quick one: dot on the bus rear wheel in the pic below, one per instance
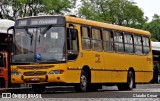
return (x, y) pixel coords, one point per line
(130, 82)
(38, 88)
(84, 83)
(2, 83)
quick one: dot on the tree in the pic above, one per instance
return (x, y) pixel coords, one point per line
(153, 27)
(121, 12)
(5, 9)
(11, 9)
(155, 17)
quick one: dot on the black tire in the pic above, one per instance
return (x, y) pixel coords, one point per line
(38, 88)
(83, 86)
(130, 82)
(2, 83)
(94, 88)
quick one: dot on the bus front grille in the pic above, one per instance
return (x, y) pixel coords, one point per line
(35, 73)
(34, 67)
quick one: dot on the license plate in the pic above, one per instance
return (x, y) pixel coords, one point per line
(34, 79)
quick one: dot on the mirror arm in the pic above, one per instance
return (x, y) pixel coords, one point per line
(12, 27)
(71, 25)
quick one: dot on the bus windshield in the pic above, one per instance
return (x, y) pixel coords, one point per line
(42, 44)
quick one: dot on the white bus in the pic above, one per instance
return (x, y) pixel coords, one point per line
(156, 61)
(5, 24)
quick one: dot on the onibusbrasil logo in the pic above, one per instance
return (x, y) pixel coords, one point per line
(10, 95)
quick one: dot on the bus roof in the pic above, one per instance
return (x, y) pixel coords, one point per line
(106, 25)
(5, 24)
(156, 46)
(99, 24)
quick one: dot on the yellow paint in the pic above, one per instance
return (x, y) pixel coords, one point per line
(109, 68)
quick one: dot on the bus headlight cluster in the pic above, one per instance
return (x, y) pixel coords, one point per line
(56, 72)
(15, 73)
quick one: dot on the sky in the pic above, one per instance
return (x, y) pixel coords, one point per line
(149, 7)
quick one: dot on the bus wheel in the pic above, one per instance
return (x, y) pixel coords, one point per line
(83, 85)
(2, 83)
(94, 88)
(130, 82)
(38, 88)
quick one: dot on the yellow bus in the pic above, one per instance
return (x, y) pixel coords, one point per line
(66, 50)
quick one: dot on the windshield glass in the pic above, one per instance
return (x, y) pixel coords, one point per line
(45, 44)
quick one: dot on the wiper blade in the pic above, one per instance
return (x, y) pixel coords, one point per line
(46, 29)
(39, 39)
(31, 39)
(30, 35)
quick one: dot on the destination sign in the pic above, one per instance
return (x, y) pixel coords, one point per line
(23, 23)
(38, 21)
(43, 21)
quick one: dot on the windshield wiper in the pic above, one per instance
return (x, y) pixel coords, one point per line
(30, 35)
(39, 39)
(31, 39)
(46, 29)
(43, 32)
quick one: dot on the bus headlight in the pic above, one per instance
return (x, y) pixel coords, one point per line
(15, 73)
(56, 72)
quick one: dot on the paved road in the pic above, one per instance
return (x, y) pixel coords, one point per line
(142, 91)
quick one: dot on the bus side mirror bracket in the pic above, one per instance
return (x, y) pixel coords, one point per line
(9, 39)
(12, 27)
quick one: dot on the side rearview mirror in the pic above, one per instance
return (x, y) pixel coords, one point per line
(10, 28)
(74, 33)
(10, 32)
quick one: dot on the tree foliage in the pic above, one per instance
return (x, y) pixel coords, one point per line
(121, 12)
(11, 9)
(5, 9)
(154, 27)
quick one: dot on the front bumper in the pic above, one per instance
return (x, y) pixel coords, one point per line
(49, 78)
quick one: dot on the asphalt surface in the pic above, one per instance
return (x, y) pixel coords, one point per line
(141, 91)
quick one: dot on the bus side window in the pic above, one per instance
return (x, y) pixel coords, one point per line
(146, 47)
(2, 60)
(86, 42)
(96, 39)
(72, 43)
(118, 41)
(108, 40)
(128, 40)
(138, 44)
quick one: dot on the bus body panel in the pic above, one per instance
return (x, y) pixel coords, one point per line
(105, 67)
(4, 70)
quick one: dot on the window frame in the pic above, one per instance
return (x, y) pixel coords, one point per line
(135, 45)
(111, 42)
(70, 40)
(132, 36)
(114, 35)
(146, 45)
(97, 40)
(89, 34)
